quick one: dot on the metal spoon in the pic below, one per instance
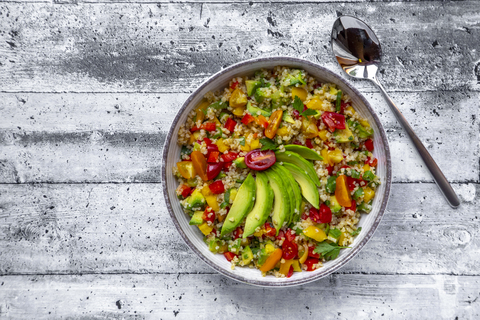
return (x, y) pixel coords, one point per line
(358, 52)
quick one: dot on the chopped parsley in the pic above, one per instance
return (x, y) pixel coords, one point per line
(268, 144)
(328, 250)
(298, 105)
(356, 232)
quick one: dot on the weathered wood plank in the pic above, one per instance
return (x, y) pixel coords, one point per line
(125, 228)
(174, 47)
(119, 137)
(185, 297)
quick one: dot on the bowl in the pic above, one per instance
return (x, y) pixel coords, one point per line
(191, 234)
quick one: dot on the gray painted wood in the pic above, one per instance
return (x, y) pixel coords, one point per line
(137, 47)
(87, 93)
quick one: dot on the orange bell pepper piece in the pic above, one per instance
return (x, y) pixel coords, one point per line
(274, 123)
(200, 164)
(342, 192)
(272, 260)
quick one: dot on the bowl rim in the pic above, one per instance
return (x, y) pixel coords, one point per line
(352, 253)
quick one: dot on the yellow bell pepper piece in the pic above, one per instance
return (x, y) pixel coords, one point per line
(323, 134)
(199, 110)
(304, 256)
(258, 233)
(217, 122)
(238, 98)
(364, 123)
(315, 103)
(326, 159)
(222, 147)
(238, 111)
(366, 168)
(335, 156)
(342, 193)
(269, 248)
(255, 144)
(272, 260)
(315, 233)
(194, 137)
(205, 228)
(333, 91)
(349, 108)
(206, 191)
(300, 93)
(283, 131)
(309, 128)
(341, 240)
(368, 194)
(285, 267)
(296, 266)
(212, 202)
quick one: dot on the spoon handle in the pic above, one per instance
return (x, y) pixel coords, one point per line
(437, 174)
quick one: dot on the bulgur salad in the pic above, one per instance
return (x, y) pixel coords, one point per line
(275, 171)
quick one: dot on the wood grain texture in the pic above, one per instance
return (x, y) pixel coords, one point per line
(125, 228)
(138, 47)
(61, 138)
(185, 297)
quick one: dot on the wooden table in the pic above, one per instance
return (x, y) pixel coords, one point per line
(88, 90)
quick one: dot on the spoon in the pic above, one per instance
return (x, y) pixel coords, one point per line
(359, 53)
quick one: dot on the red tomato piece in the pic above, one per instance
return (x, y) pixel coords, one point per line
(260, 160)
(208, 126)
(310, 262)
(213, 157)
(247, 118)
(209, 215)
(213, 169)
(281, 235)
(207, 141)
(229, 156)
(290, 235)
(230, 124)
(351, 183)
(270, 230)
(184, 190)
(298, 143)
(353, 207)
(296, 114)
(333, 120)
(289, 250)
(313, 254)
(234, 85)
(304, 216)
(330, 170)
(227, 165)
(343, 106)
(325, 214)
(237, 233)
(369, 145)
(194, 128)
(309, 144)
(370, 162)
(217, 187)
(229, 255)
(314, 215)
(290, 272)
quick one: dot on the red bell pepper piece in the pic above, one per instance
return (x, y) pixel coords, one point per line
(209, 215)
(309, 144)
(369, 145)
(209, 126)
(247, 118)
(217, 187)
(230, 124)
(229, 255)
(213, 157)
(229, 156)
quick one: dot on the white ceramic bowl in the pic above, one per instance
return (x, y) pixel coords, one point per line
(194, 238)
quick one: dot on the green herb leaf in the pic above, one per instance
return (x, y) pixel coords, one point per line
(242, 141)
(298, 104)
(268, 144)
(356, 232)
(308, 112)
(328, 250)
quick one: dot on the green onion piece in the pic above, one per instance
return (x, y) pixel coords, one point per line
(368, 176)
(358, 193)
(339, 100)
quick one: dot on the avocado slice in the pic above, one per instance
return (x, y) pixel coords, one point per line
(308, 187)
(288, 118)
(240, 162)
(294, 191)
(261, 94)
(242, 204)
(289, 189)
(277, 99)
(197, 218)
(247, 256)
(254, 111)
(263, 205)
(296, 159)
(252, 85)
(334, 205)
(281, 204)
(305, 152)
(343, 135)
(195, 200)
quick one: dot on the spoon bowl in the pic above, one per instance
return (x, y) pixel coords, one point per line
(358, 52)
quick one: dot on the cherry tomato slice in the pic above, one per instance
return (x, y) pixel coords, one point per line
(309, 144)
(353, 207)
(229, 156)
(325, 214)
(270, 229)
(310, 262)
(289, 235)
(274, 123)
(213, 158)
(314, 215)
(290, 272)
(200, 164)
(351, 183)
(290, 250)
(260, 160)
(313, 254)
(213, 169)
(333, 120)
